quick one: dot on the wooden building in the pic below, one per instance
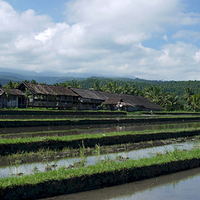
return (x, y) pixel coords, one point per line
(49, 96)
(12, 98)
(88, 99)
(91, 99)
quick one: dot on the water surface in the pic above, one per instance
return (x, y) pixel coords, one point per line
(22, 169)
(179, 186)
(91, 129)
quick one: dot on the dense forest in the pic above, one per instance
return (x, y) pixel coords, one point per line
(177, 87)
(171, 95)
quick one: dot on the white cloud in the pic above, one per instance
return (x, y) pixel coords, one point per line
(187, 34)
(165, 37)
(189, 18)
(103, 37)
(197, 57)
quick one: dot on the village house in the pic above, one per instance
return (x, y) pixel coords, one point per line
(88, 99)
(130, 103)
(49, 96)
(91, 99)
(12, 98)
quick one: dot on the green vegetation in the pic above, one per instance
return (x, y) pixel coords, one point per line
(101, 167)
(97, 150)
(95, 136)
(171, 95)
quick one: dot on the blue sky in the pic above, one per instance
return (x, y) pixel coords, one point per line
(156, 40)
(54, 9)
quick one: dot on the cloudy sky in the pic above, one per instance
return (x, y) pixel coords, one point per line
(149, 39)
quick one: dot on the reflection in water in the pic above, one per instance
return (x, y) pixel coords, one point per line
(91, 160)
(91, 129)
(182, 185)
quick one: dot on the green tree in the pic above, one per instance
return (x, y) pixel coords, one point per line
(34, 81)
(96, 85)
(195, 102)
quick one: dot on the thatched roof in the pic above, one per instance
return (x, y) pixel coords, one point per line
(114, 98)
(112, 101)
(42, 89)
(140, 101)
(14, 92)
(93, 94)
(1, 91)
(87, 94)
(109, 98)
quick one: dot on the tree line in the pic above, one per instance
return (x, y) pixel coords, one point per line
(186, 100)
(172, 96)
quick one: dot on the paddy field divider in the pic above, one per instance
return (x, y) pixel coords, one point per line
(12, 146)
(6, 123)
(102, 174)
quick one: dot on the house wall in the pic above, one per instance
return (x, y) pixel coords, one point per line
(50, 103)
(131, 108)
(88, 106)
(2, 102)
(12, 102)
(111, 107)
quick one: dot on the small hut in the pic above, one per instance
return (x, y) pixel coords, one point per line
(12, 98)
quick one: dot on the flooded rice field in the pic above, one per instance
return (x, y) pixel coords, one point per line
(82, 129)
(182, 185)
(16, 168)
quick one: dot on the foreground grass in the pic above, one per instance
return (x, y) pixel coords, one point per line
(93, 136)
(103, 167)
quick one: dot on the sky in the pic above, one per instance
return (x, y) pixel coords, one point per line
(148, 39)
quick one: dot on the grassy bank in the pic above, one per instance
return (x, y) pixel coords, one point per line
(88, 121)
(102, 174)
(43, 111)
(9, 146)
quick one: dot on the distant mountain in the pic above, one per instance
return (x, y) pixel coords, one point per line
(5, 78)
(87, 81)
(45, 77)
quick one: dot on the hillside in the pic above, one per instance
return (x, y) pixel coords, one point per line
(177, 87)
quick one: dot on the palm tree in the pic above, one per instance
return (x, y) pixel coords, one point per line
(195, 101)
(171, 102)
(96, 85)
(154, 94)
(187, 96)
